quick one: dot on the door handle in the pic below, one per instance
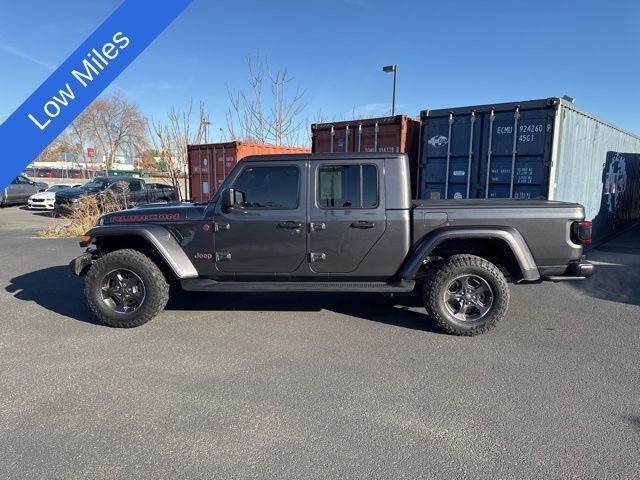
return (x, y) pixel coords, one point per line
(362, 225)
(291, 225)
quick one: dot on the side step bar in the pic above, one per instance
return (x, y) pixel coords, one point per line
(207, 285)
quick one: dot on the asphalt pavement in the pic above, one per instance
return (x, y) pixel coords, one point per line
(315, 386)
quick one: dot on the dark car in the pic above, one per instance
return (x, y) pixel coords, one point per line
(332, 223)
(130, 190)
(19, 191)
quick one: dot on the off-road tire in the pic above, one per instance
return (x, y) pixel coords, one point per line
(441, 276)
(155, 285)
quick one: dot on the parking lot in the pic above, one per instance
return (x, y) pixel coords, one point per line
(315, 386)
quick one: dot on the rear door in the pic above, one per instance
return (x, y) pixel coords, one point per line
(266, 231)
(138, 192)
(346, 213)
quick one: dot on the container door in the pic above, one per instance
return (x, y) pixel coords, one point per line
(266, 231)
(338, 139)
(449, 157)
(204, 177)
(378, 137)
(347, 215)
(199, 175)
(516, 157)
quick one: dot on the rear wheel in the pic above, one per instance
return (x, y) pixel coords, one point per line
(466, 295)
(125, 289)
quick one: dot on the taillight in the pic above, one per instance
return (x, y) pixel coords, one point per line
(581, 232)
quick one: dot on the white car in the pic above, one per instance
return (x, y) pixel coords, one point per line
(45, 200)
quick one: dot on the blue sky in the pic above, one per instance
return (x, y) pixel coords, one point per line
(448, 53)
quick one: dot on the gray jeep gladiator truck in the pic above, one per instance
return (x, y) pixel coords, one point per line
(332, 223)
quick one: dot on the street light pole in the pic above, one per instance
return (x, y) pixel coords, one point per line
(394, 69)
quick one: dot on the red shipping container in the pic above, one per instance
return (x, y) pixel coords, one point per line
(385, 134)
(210, 163)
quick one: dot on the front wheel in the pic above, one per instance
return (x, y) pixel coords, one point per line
(466, 295)
(125, 289)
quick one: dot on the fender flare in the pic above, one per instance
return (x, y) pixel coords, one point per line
(509, 235)
(160, 239)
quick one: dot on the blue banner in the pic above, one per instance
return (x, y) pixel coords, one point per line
(80, 79)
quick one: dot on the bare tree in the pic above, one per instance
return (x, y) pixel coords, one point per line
(274, 118)
(116, 126)
(78, 137)
(172, 138)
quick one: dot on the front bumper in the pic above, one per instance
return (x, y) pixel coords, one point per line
(80, 265)
(576, 270)
(46, 205)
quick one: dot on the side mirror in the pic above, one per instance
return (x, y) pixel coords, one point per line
(31, 182)
(227, 198)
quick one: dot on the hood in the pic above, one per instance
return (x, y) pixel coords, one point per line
(157, 213)
(72, 192)
(44, 195)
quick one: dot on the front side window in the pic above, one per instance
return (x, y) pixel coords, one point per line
(135, 186)
(268, 187)
(348, 186)
(22, 180)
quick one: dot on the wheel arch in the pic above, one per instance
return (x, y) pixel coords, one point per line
(509, 241)
(153, 240)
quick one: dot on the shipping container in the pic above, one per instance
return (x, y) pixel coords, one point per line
(386, 134)
(210, 163)
(546, 149)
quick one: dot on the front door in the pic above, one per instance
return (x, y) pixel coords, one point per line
(265, 232)
(20, 191)
(347, 215)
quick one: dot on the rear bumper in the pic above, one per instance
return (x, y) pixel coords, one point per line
(576, 270)
(81, 264)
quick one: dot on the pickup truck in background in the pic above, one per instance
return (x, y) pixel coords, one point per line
(19, 191)
(132, 189)
(332, 223)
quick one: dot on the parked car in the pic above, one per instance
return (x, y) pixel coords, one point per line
(19, 191)
(332, 223)
(45, 200)
(133, 189)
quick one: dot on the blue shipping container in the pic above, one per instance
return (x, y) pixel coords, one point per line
(544, 149)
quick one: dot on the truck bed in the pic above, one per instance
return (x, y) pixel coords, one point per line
(544, 224)
(489, 203)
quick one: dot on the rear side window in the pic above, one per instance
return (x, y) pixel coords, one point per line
(268, 187)
(348, 186)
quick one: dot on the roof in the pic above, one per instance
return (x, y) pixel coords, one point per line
(323, 156)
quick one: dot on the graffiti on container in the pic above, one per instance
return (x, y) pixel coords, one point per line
(438, 141)
(615, 182)
(620, 201)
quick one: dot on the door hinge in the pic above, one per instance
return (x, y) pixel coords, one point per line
(317, 257)
(221, 226)
(223, 256)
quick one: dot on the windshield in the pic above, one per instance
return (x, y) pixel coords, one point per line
(97, 185)
(55, 188)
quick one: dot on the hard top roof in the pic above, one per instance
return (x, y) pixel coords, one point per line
(323, 156)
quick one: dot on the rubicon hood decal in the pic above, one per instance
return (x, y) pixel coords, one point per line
(145, 217)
